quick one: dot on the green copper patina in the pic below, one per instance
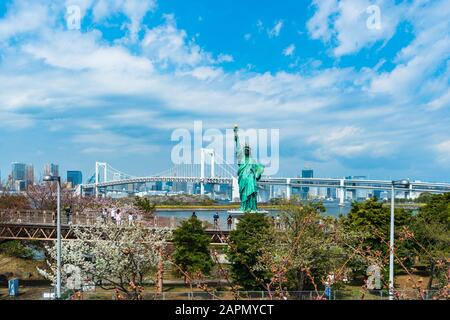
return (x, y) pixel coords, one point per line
(249, 173)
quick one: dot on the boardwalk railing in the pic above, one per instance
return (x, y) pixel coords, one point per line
(87, 217)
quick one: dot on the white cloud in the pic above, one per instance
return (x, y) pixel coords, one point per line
(77, 51)
(224, 58)
(102, 142)
(166, 44)
(443, 151)
(344, 23)
(347, 142)
(275, 31)
(24, 17)
(289, 51)
(320, 24)
(418, 62)
(135, 10)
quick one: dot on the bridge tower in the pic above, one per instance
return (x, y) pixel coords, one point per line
(205, 152)
(288, 189)
(341, 192)
(98, 167)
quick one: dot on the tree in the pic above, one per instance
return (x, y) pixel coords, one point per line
(191, 248)
(431, 230)
(14, 202)
(372, 219)
(115, 258)
(306, 250)
(16, 248)
(246, 246)
(145, 205)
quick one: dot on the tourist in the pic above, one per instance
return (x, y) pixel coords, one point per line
(278, 222)
(118, 217)
(194, 215)
(216, 220)
(113, 215)
(130, 218)
(104, 214)
(68, 213)
(229, 221)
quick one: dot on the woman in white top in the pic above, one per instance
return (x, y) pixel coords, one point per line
(130, 218)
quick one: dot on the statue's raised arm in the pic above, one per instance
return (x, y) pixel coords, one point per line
(239, 152)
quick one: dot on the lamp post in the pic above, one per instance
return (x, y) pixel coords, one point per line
(402, 183)
(58, 232)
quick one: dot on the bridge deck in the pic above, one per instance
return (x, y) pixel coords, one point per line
(41, 225)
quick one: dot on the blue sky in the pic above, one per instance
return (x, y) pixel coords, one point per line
(348, 99)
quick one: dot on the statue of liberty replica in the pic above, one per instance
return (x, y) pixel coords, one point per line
(249, 173)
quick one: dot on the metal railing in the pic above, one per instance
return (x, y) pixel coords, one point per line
(264, 295)
(87, 217)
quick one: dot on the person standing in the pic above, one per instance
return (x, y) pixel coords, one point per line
(113, 215)
(216, 220)
(119, 217)
(68, 210)
(104, 214)
(130, 218)
(278, 222)
(194, 215)
(229, 222)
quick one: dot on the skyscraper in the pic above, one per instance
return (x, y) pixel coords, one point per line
(29, 175)
(18, 171)
(74, 177)
(51, 170)
(19, 174)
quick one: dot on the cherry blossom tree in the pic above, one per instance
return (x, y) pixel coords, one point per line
(113, 257)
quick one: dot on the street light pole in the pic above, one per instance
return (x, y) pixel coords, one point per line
(405, 184)
(50, 178)
(58, 240)
(391, 246)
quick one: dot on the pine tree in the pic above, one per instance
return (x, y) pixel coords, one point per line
(191, 248)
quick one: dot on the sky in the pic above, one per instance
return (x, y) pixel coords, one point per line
(356, 87)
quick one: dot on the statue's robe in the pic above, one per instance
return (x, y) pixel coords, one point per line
(249, 173)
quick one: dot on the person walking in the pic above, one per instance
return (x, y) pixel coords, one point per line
(229, 222)
(216, 220)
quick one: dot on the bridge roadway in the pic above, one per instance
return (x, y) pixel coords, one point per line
(40, 225)
(288, 182)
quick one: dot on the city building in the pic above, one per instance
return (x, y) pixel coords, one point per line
(29, 174)
(18, 171)
(306, 173)
(75, 178)
(51, 170)
(19, 176)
